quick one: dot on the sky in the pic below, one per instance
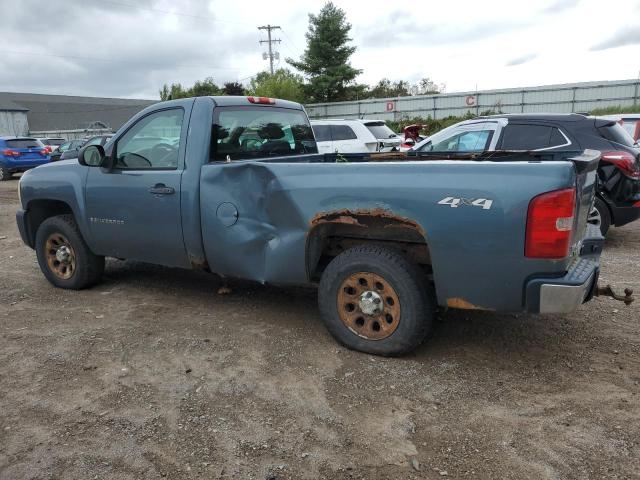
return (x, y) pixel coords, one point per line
(130, 48)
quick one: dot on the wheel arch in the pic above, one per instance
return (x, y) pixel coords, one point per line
(41, 209)
(331, 233)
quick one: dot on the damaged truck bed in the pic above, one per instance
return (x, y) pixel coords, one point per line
(239, 189)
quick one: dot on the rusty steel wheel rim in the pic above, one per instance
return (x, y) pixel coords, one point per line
(61, 257)
(369, 306)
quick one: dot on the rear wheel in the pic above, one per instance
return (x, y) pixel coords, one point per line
(372, 299)
(64, 257)
(600, 216)
(4, 173)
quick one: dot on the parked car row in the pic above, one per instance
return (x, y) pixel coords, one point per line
(18, 154)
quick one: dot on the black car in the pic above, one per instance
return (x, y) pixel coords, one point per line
(73, 145)
(618, 198)
(97, 140)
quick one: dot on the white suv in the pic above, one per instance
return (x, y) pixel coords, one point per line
(354, 136)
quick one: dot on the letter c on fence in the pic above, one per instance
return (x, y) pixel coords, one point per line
(471, 100)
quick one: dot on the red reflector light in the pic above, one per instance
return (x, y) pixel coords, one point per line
(550, 224)
(637, 204)
(263, 100)
(625, 162)
(10, 153)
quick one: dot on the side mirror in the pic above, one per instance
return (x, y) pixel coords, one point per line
(91, 156)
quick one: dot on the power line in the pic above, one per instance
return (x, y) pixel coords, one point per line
(271, 55)
(291, 41)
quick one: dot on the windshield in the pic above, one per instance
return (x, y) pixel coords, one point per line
(380, 130)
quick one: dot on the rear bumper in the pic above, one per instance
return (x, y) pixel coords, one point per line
(22, 165)
(565, 294)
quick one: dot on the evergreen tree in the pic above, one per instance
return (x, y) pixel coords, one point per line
(326, 59)
(233, 88)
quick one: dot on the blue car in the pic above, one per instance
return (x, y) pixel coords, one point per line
(18, 154)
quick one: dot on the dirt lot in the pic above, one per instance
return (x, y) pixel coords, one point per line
(153, 374)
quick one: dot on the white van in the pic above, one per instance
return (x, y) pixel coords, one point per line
(354, 136)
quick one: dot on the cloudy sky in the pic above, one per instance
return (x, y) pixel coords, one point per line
(129, 48)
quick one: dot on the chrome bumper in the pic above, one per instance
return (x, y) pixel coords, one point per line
(556, 298)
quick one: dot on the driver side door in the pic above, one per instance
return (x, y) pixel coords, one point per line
(133, 209)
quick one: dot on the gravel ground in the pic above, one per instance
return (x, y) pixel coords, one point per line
(153, 374)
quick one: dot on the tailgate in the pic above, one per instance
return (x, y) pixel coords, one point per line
(586, 165)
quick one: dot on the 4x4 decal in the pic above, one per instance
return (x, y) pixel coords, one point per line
(455, 202)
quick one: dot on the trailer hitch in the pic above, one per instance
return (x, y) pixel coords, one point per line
(607, 291)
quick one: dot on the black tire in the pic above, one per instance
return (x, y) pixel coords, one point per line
(88, 267)
(4, 173)
(416, 299)
(600, 215)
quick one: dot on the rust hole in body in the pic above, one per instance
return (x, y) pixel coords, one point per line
(366, 219)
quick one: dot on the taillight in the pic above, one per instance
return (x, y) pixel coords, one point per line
(263, 100)
(549, 224)
(625, 162)
(46, 150)
(10, 153)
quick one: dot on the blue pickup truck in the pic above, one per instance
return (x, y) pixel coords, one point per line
(235, 186)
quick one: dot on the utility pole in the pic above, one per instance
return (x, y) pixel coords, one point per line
(271, 55)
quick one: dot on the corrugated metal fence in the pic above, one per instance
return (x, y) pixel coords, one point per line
(566, 98)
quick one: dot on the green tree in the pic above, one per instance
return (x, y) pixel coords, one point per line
(204, 88)
(233, 88)
(172, 92)
(200, 89)
(282, 84)
(326, 59)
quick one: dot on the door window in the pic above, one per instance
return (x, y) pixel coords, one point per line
(472, 141)
(322, 133)
(342, 132)
(532, 137)
(152, 143)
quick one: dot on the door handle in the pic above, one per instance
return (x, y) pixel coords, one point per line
(161, 189)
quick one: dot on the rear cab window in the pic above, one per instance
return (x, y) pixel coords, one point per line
(249, 132)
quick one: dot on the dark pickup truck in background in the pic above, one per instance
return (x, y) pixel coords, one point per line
(235, 186)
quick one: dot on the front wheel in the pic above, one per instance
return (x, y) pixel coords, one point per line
(374, 300)
(63, 255)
